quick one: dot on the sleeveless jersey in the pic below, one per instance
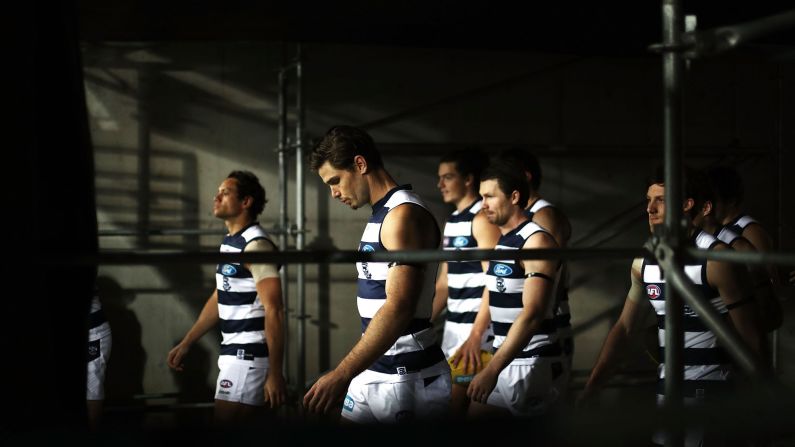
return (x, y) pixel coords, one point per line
(98, 326)
(739, 223)
(727, 236)
(416, 353)
(562, 312)
(505, 280)
(464, 278)
(239, 308)
(703, 359)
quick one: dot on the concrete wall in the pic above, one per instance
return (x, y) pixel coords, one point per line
(170, 120)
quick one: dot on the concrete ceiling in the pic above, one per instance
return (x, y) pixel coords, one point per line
(569, 27)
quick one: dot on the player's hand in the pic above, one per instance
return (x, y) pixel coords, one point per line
(275, 389)
(469, 353)
(482, 385)
(326, 393)
(175, 356)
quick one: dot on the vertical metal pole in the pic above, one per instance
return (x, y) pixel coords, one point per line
(283, 209)
(780, 154)
(299, 217)
(144, 158)
(673, 65)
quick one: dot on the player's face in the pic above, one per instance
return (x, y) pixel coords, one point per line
(347, 185)
(496, 205)
(227, 204)
(655, 205)
(452, 185)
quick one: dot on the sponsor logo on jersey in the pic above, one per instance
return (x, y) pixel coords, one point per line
(367, 248)
(460, 241)
(226, 383)
(502, 270)
(228, 270)
(501, 285)
(348, 404)
(653, 291)
(402, 371)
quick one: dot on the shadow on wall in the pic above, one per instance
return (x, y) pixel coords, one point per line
(125, 373)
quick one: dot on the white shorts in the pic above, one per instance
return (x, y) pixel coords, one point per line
(98, 355)
(239, 381)
(409, 401)
(455, 334)
(528, 389)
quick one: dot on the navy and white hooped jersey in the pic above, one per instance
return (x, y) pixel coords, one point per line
(416, 353)
(98, 326)
(537, 206)
(563, 311)
(464, 278)
(239, 308)
(735, 228)
(703, 359)
(727, 236)
(505, 281)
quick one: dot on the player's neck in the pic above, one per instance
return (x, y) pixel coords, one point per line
(235, 224)
(534, 197)
(466, 201)
(380, 183)
(517, 218)
(732, 213)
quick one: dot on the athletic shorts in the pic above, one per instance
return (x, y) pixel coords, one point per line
(98, 355)
(399, 402)
(528, 389)
(239, 381)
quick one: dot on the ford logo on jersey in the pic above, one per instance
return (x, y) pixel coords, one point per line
(460, 241)
(368, 248)
(502, 270)
(228, 270)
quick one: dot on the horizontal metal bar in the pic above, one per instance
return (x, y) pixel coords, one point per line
(717, 40)
(331, 257)
(744, 257)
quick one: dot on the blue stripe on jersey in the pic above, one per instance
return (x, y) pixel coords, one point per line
(254, 350)
(702, 356)
(233, 270)
(414, 326)
(236, 298)
(371, 289)
(550, 350)
(95, 319)
(461, 317)
(465, 293)
(409, 362)
(247, 325)
(547, 327)
(505, 300)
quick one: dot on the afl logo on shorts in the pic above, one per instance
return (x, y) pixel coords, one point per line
(653, 291)
(226, 383)
(228, 270)
(368, 248)
(502, 270)
(460, 241)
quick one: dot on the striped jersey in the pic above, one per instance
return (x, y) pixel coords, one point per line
(505, 280)
(416, 353)
(239, 308)
(98, 326)
(703, 359)
(464, 279)
(563, 311)
(735, 228)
